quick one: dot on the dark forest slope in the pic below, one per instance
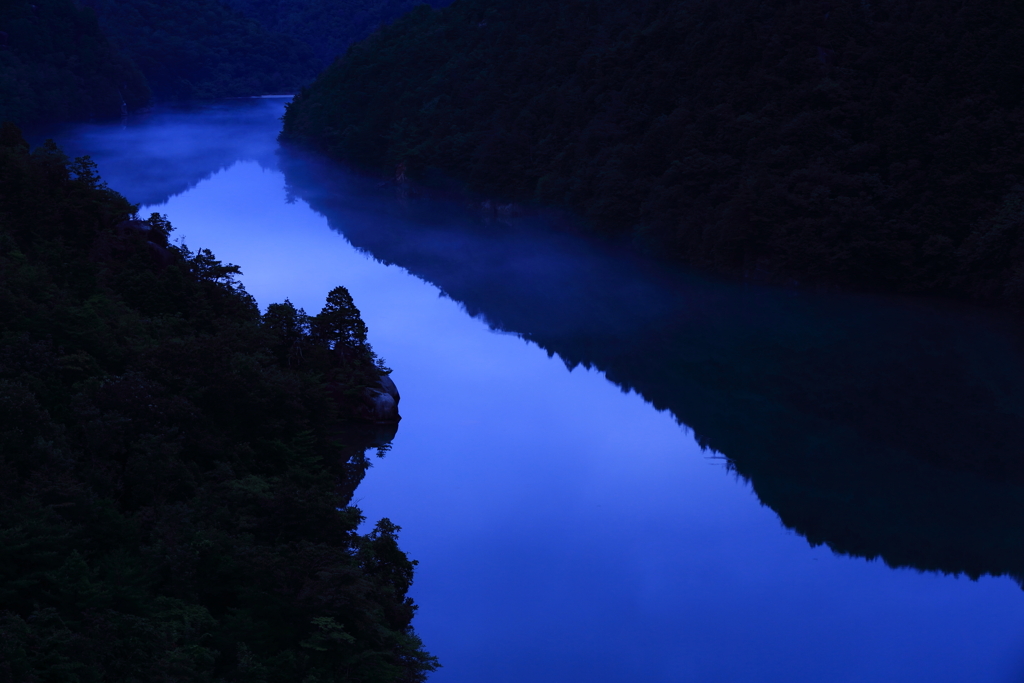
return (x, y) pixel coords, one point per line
(203, 49)
(876, 144)
(327, 27)
(56, 64)
(176, 468)
(62, 61)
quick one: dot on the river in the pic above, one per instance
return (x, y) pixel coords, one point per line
(613, 471)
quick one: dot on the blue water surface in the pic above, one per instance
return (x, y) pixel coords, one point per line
(605, 523)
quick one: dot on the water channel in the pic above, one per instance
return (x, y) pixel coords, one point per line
(613, 471)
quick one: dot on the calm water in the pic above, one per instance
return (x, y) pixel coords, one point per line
(610, 471)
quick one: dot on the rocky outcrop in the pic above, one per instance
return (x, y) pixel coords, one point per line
(381, 401)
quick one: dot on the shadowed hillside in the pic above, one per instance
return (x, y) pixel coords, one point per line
(176, 467)
(327, 27)
(871, 144)
(56, 64)
(202, 49)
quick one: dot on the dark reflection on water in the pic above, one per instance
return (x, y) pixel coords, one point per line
(878, 426)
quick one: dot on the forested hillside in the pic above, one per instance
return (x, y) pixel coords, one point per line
(55, 64)
(870, 144)
(62, 60)
(327, 27)
(202, 49)
(176, 469)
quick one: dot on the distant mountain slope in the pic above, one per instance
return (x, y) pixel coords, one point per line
(55, 64)
(327, 27)
(61, 60)
(202, 49)
(868, 143)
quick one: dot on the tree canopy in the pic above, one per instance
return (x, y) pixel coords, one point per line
(870, 144)
(62, 60)
(203, 49)
(56, 63)
(176, 468)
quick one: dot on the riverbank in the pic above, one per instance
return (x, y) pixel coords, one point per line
(178, 467)
(861, 146)
(880, 426)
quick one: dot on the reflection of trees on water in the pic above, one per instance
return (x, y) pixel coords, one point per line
(879, 427)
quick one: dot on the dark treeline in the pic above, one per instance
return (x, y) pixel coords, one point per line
(62, 60)
(176, 468)
(869, 144)
(55, 63)
(327, 27)
(882, 428)
(202, 49)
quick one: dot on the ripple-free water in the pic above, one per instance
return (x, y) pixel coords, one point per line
(566, 529)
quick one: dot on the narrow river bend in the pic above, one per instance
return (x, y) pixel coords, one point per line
(612, 472)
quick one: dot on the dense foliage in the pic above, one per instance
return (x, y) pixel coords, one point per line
(55, 63)
(328, 27)
(61, 60)
(176, 468)
(872, 143)
(203, 49)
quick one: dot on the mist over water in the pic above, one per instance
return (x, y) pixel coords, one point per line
(154, 156)
(627, 519)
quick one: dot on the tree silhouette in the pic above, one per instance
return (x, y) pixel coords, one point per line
(339, 323)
